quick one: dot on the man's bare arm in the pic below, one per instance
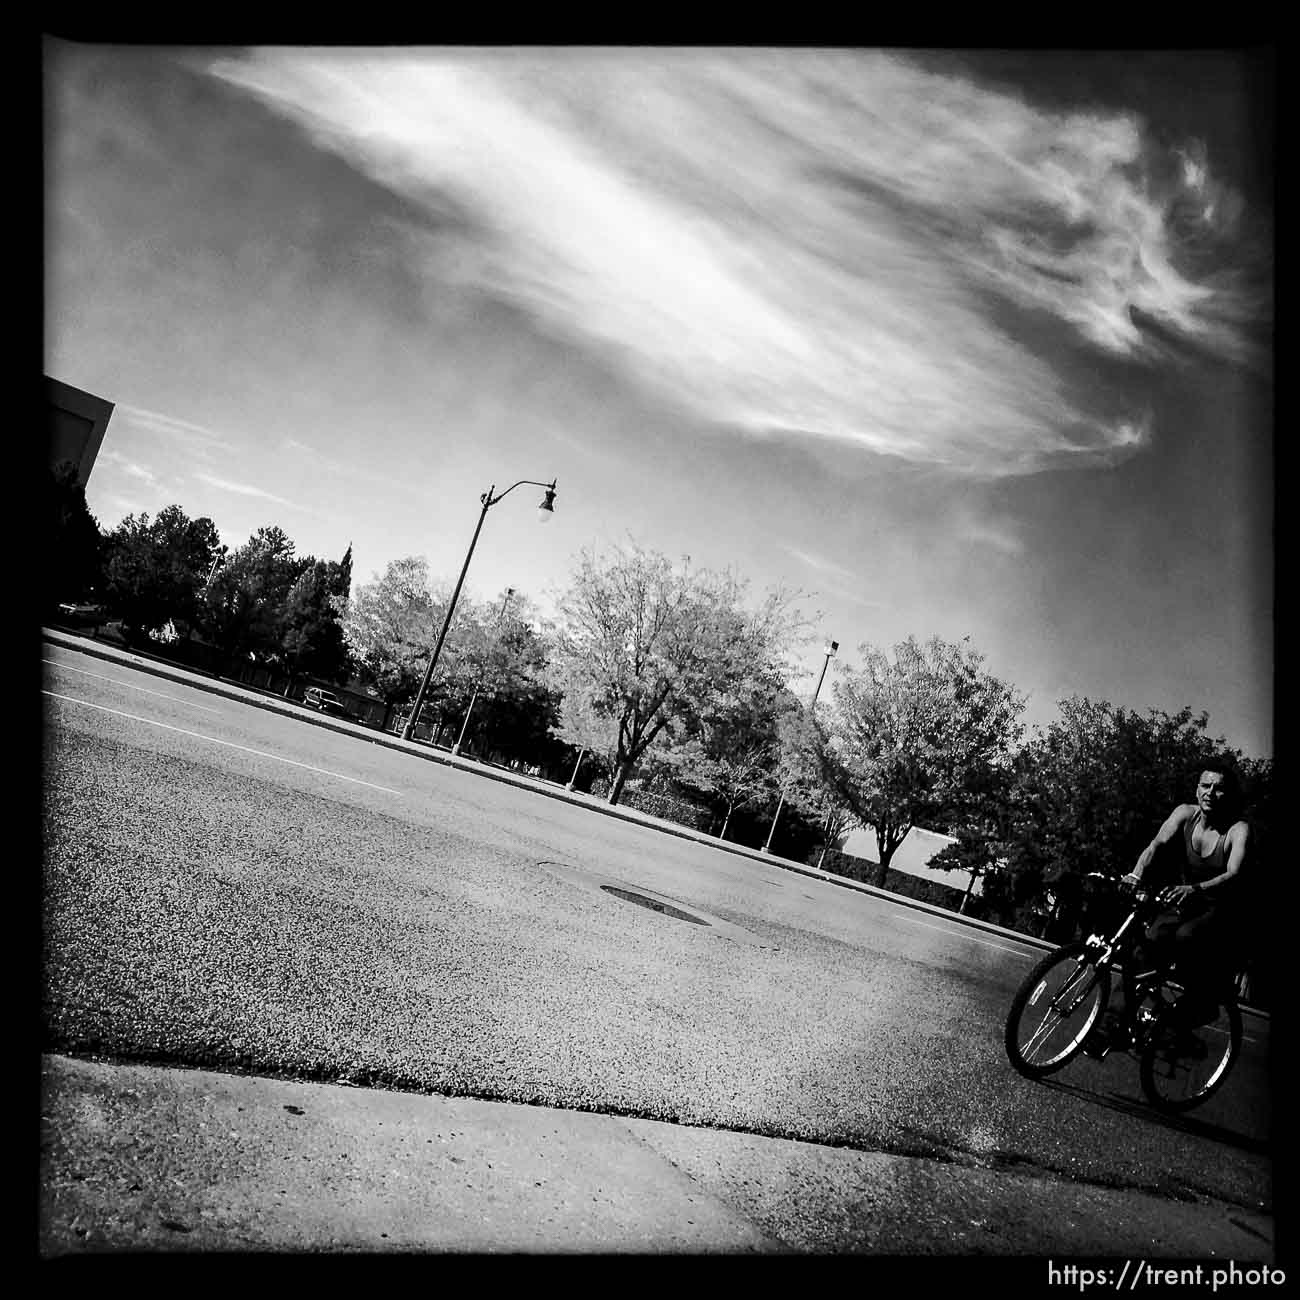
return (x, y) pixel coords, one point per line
(1170, 831)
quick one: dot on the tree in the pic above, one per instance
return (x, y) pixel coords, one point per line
(389, 625)
(654, 644)
(736, 777)
(729, 749)
(1095, 786)
(246, 603)
(917, 739)
(836, 820)
(806, 795)
(1087, 793)
(155, 570)
(312, 638)
(73, 542)
(579, 720)
(496, 679)
(980, 835)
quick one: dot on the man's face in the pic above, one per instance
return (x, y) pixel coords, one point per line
(1211, 790)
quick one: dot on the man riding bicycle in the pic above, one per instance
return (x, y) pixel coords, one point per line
(1203, 928)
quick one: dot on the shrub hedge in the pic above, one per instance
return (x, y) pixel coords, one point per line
(897, 882)
(666, 806)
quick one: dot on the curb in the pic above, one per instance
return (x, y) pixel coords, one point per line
(276, 704)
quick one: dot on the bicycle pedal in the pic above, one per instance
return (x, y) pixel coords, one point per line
(1098, 1046)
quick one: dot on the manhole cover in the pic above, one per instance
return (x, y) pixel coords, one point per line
(621, 888)
(641, 900)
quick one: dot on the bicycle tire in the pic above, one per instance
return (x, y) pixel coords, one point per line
(1030, 1053)
(1180, 1073)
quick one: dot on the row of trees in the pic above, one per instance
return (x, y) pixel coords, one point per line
(672, 676)
(170, 577)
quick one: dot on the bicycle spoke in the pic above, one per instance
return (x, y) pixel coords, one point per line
(1052, 1022)
(1184, 1064)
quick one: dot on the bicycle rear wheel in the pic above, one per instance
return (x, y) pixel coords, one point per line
(1184, 1065)
(1054, 1010)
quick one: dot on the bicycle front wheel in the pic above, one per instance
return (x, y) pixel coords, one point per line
(1054, 1010)
(1183, 1065)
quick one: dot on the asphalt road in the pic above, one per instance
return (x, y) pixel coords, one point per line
(230, 888)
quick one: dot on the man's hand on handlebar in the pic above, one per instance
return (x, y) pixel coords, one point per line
(1170, 895)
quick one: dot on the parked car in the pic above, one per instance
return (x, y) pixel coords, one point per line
(326, 701)
(80, 614)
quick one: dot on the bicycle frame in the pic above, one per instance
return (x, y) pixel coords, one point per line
(1107, 954)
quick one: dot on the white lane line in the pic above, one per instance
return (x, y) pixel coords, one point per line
(970, 938)
(198, 735)
(130, 685)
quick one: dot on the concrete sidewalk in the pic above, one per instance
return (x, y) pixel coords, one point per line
(139, 1158)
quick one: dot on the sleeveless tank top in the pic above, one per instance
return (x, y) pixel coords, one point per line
(1203, 866)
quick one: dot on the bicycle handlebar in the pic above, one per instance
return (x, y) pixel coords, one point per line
(1141, 893)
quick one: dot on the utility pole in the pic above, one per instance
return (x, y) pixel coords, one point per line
(455, 749)
(831, 648)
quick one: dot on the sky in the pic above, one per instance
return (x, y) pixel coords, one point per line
(955, 343)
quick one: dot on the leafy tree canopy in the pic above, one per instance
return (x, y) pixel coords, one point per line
(312, 638)
(245, 604)
(729, 749)
(655, 645)
(389, 625)
(73, 541)
(916, 739)
(155, 569)
(1088, 792)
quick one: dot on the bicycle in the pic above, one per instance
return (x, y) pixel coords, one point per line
(1063, 999)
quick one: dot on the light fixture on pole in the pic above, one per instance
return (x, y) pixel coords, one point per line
(455, 749)
(831, 648)
(545, 509)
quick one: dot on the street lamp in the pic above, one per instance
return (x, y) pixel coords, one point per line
(545, 509)
(455, 749)
(831, 648)
(212, 572)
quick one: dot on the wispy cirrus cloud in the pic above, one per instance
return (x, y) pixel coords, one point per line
(123, 506)
(246, 490)
(998, 534)
(172, 427)
(820, 564)
(835, 579)
(351, 470)
(800, 243)
(132, 469)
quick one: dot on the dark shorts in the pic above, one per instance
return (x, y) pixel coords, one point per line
(1204, 938)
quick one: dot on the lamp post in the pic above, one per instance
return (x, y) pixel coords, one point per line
(455, 749)
(831, 648)
(545, 509)
(212, 572)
